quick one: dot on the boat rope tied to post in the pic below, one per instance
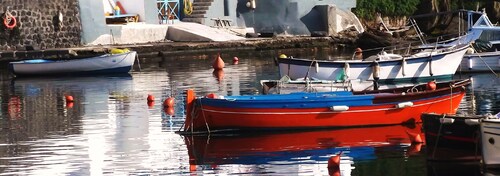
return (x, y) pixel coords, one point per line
(309, 68)
(9, 20)
(188, 7)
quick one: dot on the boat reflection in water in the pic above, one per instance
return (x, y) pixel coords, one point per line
(296, 151)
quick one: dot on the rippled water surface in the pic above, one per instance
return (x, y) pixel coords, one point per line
(111, 129)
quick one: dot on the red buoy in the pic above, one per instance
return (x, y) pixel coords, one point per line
(334, 161)
(211, 95)
(235, 59)
(151, 98)
(169, 102)
(431, 85)
(218, 63)
(151, 104)
(169, 110)
(69, 98)
(69, 105)
(414, 137)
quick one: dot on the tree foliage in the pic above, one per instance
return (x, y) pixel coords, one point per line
(368, 8)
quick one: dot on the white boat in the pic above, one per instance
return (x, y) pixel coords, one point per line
(490, 138)
(482, 61)
(286, 86)
(439, 63)
(484, 37)
(103, 64)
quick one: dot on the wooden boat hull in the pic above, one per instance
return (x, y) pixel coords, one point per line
(415, 68)
(272, 112)
(104, 64)
(452, 137)
(490, 139)
(481, 62)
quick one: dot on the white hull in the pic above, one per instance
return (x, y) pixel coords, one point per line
(108, 63)
(490, 138)
(416, 66)
(481, 62)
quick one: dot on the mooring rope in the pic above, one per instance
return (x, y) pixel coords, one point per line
(485, 62)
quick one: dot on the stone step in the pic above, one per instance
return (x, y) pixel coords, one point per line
(194, 15)
(197, 12)
(195, 8)
(201, 4)
(203, 1)
(194, 20)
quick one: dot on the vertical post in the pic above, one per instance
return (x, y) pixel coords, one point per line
(190, 98)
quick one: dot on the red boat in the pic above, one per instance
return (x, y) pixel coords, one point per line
(321, 110)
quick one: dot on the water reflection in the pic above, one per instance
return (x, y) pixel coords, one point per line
(111, 129)
(483, 96)
(302, 152)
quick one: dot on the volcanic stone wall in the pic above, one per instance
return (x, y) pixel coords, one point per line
(39, 24)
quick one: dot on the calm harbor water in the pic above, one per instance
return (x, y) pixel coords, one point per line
(110, 129)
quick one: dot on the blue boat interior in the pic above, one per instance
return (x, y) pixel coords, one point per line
(296, 95)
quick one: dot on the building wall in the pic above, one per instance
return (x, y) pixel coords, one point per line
(292, 16)
(95, 31)
(37, 24)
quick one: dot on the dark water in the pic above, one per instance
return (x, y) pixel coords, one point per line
(110, 129)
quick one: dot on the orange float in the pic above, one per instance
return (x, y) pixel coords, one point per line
(218, 63)
(69, 98)
(169, 102)
(151, 104)
(151, 98)
(69, 105)
(169, 110)
(431, 85)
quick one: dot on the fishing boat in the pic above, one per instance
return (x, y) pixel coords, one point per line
(103, 64)
(302, 147)
(286, 85)
(484, 39)
(339, 109)
(438, 63)
(490, 137)
(452, 137)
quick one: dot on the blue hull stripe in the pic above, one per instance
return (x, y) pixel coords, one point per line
(117, 70)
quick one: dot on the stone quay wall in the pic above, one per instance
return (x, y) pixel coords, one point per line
(39, 25)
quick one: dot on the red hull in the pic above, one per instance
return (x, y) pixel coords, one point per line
(251, 119)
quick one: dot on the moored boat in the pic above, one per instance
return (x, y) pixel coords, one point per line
(490, 139)
(439, 63)
(320, 110)
(452, 137)
(104, 64)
